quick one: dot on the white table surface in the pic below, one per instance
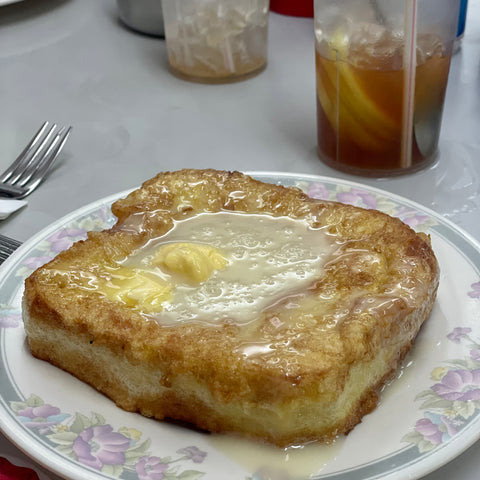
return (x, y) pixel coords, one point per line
(71, 62)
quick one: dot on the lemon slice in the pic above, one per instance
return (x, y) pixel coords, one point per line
(348, 107)
(345, 122)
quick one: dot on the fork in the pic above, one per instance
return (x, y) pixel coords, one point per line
(7, 247)
(28, 170)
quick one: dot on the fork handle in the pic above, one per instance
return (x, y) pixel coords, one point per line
(11, 191)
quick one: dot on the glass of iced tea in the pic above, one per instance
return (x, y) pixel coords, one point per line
(216, 41)
(381, 71)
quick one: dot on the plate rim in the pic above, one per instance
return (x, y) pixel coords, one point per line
(465, 440)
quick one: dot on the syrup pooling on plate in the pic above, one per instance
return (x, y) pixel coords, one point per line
(266, 259)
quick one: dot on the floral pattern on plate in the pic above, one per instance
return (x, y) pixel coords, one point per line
(452, 400)
(367, 199)
(64, 238)
(475, 291)
(92, 442)
(446, 408)
(9, 317)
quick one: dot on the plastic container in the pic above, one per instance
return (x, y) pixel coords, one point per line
(382, 69)
(216, 41)
(144, 16)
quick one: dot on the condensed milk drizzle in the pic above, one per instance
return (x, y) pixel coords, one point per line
(268, 258)
(278, 278)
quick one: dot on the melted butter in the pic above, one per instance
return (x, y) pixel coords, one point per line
(248, 263)
(193, 262)
(138, 289)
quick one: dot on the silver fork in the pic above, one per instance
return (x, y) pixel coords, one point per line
(7, 247)
(28, 170)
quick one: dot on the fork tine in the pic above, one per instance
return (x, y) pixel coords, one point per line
(7, 247)
(38, 160)
(23, 167)
(32, 165)
(47, 160)
(8, 242)
(9, 171)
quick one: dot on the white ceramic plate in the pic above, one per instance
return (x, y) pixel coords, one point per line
(426, 417)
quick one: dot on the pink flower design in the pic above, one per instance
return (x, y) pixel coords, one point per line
(429, 431)
(415, 220)
(10, 319)
(459, 385)
(411, 217)
(435, 428)
(458, 333)
(358, 197)
(150, 468)
(475, 293)
(42, 411)
(318, 190)
(35, 262)
(193, 453)
(100, 445)
(41, 418)
(475, 354)
(64, 239)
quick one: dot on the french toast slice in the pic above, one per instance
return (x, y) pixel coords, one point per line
(292, 344)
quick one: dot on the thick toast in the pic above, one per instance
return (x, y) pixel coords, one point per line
(299, 355)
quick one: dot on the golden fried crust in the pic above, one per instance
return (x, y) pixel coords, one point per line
(325, 374)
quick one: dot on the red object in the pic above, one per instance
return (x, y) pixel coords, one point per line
(9, 471)
(295, 8)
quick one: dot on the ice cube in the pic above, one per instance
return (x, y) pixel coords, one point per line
(429, 45)
(375, 47)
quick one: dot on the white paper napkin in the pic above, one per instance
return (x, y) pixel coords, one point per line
(8, 206)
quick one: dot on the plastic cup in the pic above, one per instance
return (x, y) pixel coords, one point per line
(216, 41)
(144, 16)
(382, 70)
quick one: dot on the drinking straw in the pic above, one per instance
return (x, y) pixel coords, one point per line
(409, 69)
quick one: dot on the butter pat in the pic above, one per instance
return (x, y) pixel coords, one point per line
(147, 289)
(192, 261)
(136, 288)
